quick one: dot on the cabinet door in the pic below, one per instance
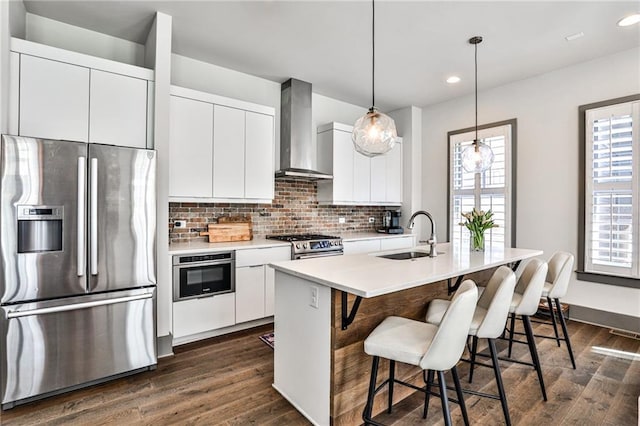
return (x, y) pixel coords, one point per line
(379, 179)
(395, 243)
(361, 178)
(228, 152)
(362, 246)
(394, 174)
(190, 148)
(54, 99)
(249, 293)
(269, 290)
(201, 315)
(118, 110)
(259, 169)
(343, 153)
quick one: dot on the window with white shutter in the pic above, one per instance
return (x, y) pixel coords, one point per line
(611, 195)
(483, 191)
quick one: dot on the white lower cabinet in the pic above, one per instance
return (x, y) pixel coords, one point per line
(361, 246)
(250, 291)
(378, 244)
(201, 315)
(396, 243)
(255, 281)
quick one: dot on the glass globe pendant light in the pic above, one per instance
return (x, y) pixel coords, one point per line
(477, 157)
(374, 133)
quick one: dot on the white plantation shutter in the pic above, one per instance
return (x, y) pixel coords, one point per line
(612, 190)
(488, 190)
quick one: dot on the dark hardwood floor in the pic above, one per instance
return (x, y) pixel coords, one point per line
(227, 381)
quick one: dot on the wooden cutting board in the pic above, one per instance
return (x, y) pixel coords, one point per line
(229, 228)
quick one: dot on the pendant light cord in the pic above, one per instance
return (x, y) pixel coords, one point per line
(476, 90)
(373, 55)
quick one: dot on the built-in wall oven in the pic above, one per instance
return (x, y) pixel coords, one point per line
(203, 274)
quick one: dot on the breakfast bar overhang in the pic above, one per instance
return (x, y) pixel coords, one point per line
(319, 363)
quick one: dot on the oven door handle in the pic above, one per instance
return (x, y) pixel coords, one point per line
(323, 254)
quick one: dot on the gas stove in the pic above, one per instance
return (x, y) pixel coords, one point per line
(304, 246)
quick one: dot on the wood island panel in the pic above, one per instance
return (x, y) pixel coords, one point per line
(351, 366)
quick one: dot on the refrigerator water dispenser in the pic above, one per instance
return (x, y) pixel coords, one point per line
(39, 229)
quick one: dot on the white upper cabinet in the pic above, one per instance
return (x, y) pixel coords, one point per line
(393, 176)
(228, 152)
(259, 135)
(72, 96)
(361, 177)
(54, 99)
(357, 179)
(118, 110)
(386, 176)
(221, 149)
(190, 148)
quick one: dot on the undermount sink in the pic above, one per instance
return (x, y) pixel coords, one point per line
(405, 255)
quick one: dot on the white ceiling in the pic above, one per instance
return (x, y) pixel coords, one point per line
(328, 43)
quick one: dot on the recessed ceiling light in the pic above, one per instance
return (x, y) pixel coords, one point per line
(453, 79)
(574, 36)
(629, 20)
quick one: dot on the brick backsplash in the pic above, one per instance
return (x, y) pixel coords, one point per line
(294, 210)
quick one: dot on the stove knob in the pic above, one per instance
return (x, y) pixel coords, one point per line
(298, 245)
(305, 245)
(333, 243)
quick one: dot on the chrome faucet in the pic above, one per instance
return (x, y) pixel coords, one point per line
(432, 240)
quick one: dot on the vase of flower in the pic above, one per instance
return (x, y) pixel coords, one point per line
(477, 222)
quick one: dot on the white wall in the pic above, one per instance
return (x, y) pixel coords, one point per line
(69, 37)
(546, 108)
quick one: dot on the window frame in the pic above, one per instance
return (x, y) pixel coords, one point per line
(582, 275)
(509, 182)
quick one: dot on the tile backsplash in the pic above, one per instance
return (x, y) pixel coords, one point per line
(294, 210)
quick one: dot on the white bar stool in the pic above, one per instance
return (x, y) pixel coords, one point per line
(489, 320)
(555, 287)
(525, 303)
(430, 347)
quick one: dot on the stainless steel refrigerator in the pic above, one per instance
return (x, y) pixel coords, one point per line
(77, 241)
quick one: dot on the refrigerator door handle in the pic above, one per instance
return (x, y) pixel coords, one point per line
(93, 220)
(77, 306)
(82, 255)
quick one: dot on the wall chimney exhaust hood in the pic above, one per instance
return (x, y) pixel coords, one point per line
(297, 151)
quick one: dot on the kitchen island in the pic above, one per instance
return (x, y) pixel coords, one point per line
(326, 307)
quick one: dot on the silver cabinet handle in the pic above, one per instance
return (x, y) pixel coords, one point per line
(81, 216)
(93, 221)
(77, 306)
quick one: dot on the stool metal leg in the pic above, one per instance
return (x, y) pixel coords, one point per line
(428, 380)
(566, 333)
(368, 408)
(534, 353)
(511, 331)
(456, 382)
(443, 397)
(496, 370)
(474, 349)
(553, 320)
(392, 376)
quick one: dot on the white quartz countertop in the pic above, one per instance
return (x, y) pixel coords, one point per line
(201, 246)
(367, 275)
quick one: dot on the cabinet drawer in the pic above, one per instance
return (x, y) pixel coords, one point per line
(363, 246)
(262, 256)
(391, 243)
(202, 315)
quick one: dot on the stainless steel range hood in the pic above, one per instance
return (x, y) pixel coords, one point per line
(297, 151)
